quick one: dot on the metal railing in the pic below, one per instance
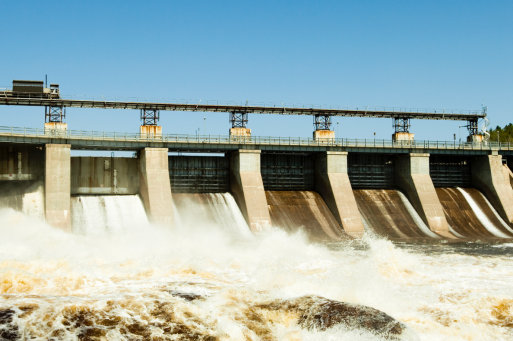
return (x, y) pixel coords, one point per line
(253, 140)
(102, 98)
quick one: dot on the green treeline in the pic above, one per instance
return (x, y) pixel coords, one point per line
(505, 134)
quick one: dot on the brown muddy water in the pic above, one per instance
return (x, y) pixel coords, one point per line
(204, 281)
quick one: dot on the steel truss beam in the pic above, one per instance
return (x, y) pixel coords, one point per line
(150, 117)
(473, 128)
(402, 125)
(322, 122)
(55, 114)
(238, 119)
(9, 99)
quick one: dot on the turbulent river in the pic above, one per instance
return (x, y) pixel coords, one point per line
(203, 281)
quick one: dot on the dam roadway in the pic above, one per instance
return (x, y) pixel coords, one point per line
(99, 140)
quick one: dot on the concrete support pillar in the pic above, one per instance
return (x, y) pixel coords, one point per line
(478, 138)
(508, 175)
(57, 186)
(248, 188)
(332, 183)
(240, 132)
(488, 177)
(412, 176)
(56, 129)
(323, 134)
(151, 131)
(402, 137)
(155, 187)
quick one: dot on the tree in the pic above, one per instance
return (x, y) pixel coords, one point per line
(505, 134)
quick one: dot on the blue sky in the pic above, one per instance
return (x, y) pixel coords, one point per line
(420, 54)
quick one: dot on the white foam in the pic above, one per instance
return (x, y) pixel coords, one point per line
(104, 214)
(416, 218)
(482, 216)
(455, 233)
(33, 203)
(215, 210)
(506, 226)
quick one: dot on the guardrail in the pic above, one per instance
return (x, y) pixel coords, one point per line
(253, 140)
(102, 98)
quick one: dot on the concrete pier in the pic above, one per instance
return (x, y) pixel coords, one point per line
(241, 132)
(248, 189)
(151, 131)
(155, 187)
(323, 134)
(402, 137)
(412, 176)
(475, 138)
(488, 176)
(57, 185)
(332, 183)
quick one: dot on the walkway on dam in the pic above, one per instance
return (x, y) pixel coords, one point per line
(80, 139)
(8, 97)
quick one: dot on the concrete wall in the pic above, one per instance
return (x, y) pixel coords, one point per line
(412, 176)
(323, 134)
(155, 187)
(248, 189)
(19, 162)
(488, 176)
(508, 175)
(104, 175)
(57, 185)
(332, 183)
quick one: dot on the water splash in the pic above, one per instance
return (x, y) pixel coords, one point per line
(152, 282)
(482, 216)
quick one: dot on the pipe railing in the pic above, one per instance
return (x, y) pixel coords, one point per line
(253, 140)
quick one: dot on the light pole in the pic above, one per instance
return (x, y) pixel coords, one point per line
(337, 129)
(204, 125)
(459, 132)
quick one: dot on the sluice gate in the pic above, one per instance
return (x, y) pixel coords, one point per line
(450, 170)
(288, 172)
(199, 174)
(22, 178)
(371, 171)
(104, 175)
(19, 162)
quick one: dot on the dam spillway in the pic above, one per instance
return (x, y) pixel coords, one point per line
(303, 210)
(328, 195)
(120, 272)
(97, 215)
(196, 212)
(471, 215)
(388, 213)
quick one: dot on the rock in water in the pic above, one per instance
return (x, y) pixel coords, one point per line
(8, 332)
(319, 313)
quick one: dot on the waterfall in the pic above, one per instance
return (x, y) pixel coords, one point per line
(107, 214)
(482, 216)
(197, 211)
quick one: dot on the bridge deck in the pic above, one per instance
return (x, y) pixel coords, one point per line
(9, 98)
(94, 140)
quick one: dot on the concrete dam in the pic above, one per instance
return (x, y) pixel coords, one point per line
(328, 195)
(250, 237)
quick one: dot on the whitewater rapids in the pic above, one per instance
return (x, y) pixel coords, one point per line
(143, 282)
